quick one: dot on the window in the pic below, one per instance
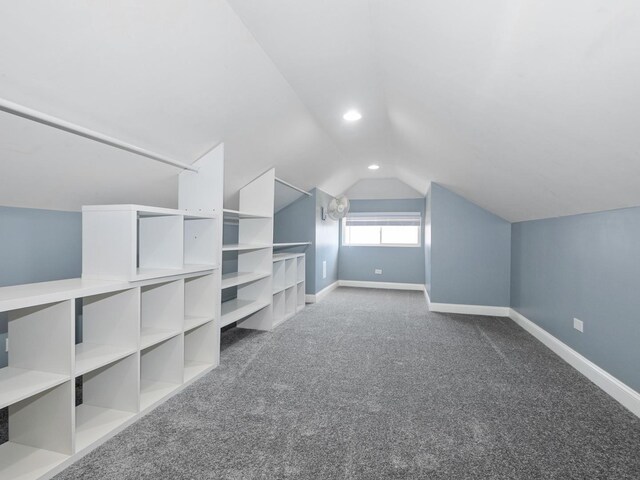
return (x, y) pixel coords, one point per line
(381, 229)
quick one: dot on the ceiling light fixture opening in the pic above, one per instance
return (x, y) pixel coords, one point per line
(373, 166)
(352, 116)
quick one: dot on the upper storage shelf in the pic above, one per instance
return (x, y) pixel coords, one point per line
(134, 242)
(238, 214)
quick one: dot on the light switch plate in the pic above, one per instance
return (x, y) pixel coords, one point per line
(378, 271)
(578, 325)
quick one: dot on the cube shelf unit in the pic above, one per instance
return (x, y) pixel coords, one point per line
(288, 285)
(125, 370)
(134, 242)
(150, 301)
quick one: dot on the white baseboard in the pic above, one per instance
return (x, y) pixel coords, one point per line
(465, 309)
(322, 293)
(383, 285)
(469, 309)
(619, 391)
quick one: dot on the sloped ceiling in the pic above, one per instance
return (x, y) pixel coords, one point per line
(528, 108)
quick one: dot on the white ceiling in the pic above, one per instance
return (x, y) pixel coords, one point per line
(528, 108)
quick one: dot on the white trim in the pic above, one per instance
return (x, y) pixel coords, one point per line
(619, 391)
(321, 294)
(469, 309)
(382, 285)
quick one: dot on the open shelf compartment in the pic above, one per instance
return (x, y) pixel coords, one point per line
(161, 371)
(161, 312)
(109, 329)
(40, 351)
(200, 300)
(110, 397)
(199, 353)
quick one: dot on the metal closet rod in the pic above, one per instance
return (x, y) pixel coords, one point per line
(51, 121)
(279, 180)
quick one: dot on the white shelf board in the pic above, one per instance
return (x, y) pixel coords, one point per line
(234, 310)
(20, 462)
(151, 273)
(152, 392)
(300, 281)
(192, 369)
(28, 295)
(146, 211)
(230, 247)
(90, 356)
(93, 423)
(278, 290)
(150, 336)
(278, 257)
(193, 321)
(290, 285)
(290, 244)
(239, 278)
(18, 383)
(239, 214)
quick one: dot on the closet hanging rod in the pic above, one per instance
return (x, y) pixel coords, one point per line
(51, 121)
(279, 180)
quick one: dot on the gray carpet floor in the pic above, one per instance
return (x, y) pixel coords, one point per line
(367, 384)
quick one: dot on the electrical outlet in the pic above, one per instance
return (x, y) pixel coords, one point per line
(378, 271)
(6, 345)
(324, 269)
(578, 325)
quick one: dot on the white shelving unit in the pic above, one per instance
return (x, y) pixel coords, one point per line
(270, 288)
(150, 325)
(133, 242)
(251, 307)
(289, 285)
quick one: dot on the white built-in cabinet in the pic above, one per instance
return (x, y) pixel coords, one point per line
(150, 324)
(269, 288)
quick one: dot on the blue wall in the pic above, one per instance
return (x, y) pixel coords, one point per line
(302, 222)
(327, 243)
(398, 264)
(470, 252)
(37, 246)
(584, 266)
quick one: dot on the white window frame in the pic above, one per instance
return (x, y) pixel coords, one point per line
(378, 216)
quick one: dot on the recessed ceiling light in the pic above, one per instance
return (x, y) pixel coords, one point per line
(352, 116)
(373, 166)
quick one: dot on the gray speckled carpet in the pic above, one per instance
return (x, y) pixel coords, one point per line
(367, 384)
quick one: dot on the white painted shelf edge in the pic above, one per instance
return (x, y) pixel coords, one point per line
(239, 214)
(290, 244)
(244, 246)
(238, 278)
(17, 384)
(91, 356)
(147, 210)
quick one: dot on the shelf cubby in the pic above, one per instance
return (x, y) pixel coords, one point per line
(200, 299)
(40, 351)
(291, 299)
(198, 352)
(110, 397)
(290, 272)
(109, 329)
(236, 309)
(40, 433)
(278, 276)
(162, 311)
(300, 297)
(161, 371)
(160, 241)
(279, 308)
